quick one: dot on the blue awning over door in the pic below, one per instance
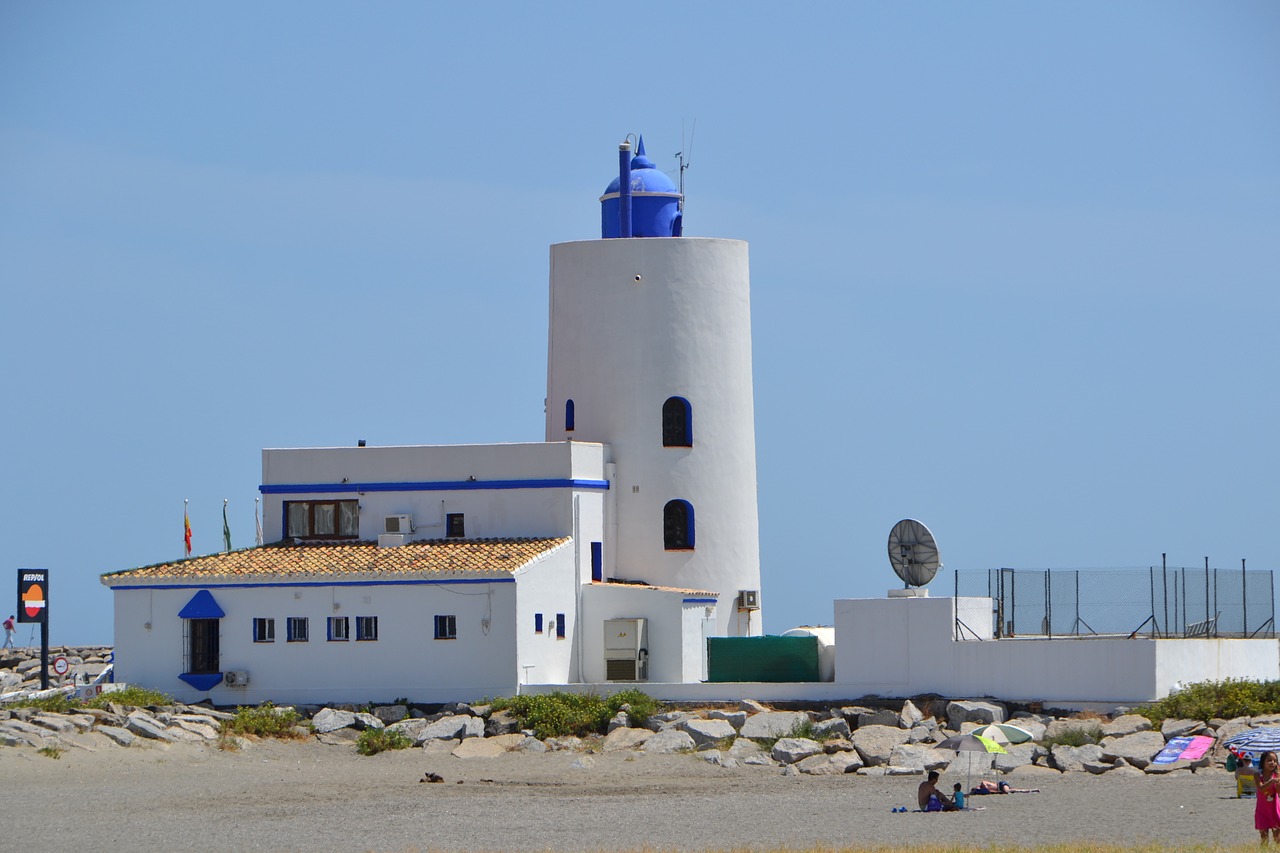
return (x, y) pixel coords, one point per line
(202, 606)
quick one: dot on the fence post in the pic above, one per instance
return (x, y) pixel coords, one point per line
(1244, 602)
(1048, 603)
(1206, 598)
(1151, 582)
(1164, 591)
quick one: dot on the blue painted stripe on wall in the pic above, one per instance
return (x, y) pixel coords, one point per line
(310, 583)
(427, 486)
(699, 601)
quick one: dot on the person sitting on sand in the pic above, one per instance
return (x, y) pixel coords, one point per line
(1001, 787)
(930, 798)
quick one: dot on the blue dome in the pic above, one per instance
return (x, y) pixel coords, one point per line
(655, 202)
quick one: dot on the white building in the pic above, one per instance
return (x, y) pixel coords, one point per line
(611, 552)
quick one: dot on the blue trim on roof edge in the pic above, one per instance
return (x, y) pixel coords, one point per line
(203, 680)
(428, 486)
(307, 583)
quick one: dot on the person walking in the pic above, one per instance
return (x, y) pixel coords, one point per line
(1266, 811)
(9, 630)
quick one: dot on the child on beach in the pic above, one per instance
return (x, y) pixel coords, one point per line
(1266, 810)
(957, 795)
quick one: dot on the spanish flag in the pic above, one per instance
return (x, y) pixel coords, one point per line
(186, 528)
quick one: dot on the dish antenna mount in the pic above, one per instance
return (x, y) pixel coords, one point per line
(913, 552)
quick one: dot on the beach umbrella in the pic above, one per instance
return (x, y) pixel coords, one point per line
(1003, 733)
(1255, 741)
(970, 744)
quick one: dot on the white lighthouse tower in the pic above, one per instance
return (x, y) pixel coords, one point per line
(650, 354)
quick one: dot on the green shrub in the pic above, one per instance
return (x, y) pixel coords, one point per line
(373, 741)
(640, 705)
(266, 720)
(1205, 700)
(58, 703)
(130, 696)
(51, 751)
(560, 714)
(61, 703)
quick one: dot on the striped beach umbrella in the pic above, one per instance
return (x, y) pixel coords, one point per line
(1003, 733)
(1255, 741)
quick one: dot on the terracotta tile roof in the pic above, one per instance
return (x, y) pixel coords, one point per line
(301, 561)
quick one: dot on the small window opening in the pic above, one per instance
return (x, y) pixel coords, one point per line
(677, 526)
(677, 423)
(455, 527)
(446, 627)
(568, 416)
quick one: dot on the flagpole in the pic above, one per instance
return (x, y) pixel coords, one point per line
(226, 529)
(257, 519)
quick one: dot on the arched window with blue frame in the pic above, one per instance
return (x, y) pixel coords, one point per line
(677, 526)
(568, 416)
(677, 423)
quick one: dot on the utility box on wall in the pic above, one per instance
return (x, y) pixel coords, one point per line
(626, 650)
(762, 659)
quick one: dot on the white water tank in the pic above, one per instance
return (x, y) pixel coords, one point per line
(826, 647)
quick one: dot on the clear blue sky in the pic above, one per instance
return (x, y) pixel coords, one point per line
(1014, 265)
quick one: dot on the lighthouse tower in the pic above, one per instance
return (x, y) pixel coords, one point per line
(650, 354)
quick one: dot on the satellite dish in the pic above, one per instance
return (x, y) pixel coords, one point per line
(913, 552)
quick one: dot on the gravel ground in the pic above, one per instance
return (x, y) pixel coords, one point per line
(309, 796)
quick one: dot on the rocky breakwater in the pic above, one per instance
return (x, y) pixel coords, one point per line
(870, 741)
(20, 668)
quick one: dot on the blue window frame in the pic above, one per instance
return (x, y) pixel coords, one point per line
(537, 623)
(597, 561)
(559, 626)
(339, 629)
(264, 629)
(568, 416)
(297, 629)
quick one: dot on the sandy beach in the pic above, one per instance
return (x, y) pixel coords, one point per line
(311, 796)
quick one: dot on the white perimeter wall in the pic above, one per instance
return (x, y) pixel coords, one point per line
(906, 646)
(489, 512)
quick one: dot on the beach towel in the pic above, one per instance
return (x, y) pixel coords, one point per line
(1183, 749)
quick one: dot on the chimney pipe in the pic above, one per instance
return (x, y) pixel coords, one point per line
(624, 189)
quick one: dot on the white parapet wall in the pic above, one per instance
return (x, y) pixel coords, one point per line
(908, 646)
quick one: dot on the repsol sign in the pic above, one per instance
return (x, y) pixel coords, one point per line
(33, 595)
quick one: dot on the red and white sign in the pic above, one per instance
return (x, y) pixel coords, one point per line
(33, 595)
(61, 665)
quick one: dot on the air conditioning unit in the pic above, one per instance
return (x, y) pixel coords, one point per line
(749, 599)
(237, 678)
(398, 524)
